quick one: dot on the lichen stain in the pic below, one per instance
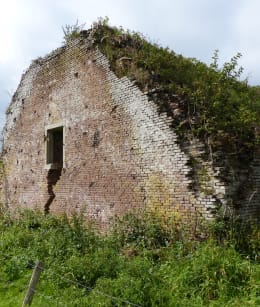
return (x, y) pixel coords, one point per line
(160, 199)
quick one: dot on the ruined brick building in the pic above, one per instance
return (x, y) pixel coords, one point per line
(78, 138)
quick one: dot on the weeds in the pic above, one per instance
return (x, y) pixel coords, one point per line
(141, 261)
(243, 235)
(70, 32)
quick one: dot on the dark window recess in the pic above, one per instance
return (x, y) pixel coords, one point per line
(55, 146)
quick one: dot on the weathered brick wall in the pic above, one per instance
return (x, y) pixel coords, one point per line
(120, 154)
(1, 185)
(249, 206)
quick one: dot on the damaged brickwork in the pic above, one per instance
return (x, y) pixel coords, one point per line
(120, 154)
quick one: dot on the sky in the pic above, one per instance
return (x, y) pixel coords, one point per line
(193, 28)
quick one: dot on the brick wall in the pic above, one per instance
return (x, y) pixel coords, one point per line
(120, 154)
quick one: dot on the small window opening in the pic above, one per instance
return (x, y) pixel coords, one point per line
(54, 152)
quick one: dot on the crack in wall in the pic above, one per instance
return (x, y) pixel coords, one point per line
(52, 178)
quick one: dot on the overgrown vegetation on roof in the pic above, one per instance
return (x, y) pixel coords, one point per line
(207, 102)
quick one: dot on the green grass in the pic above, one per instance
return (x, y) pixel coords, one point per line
(140, 262)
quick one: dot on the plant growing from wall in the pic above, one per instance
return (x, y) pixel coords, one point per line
(70, 32)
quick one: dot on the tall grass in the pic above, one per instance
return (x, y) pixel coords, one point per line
(141, 261)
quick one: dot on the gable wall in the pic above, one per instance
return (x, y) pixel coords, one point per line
(120, 154)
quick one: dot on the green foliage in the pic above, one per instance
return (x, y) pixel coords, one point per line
(213, 275)
(245, 237)
(211, 101)
(141, 262)
(70, 32)
(224, 109)
(146, 230)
